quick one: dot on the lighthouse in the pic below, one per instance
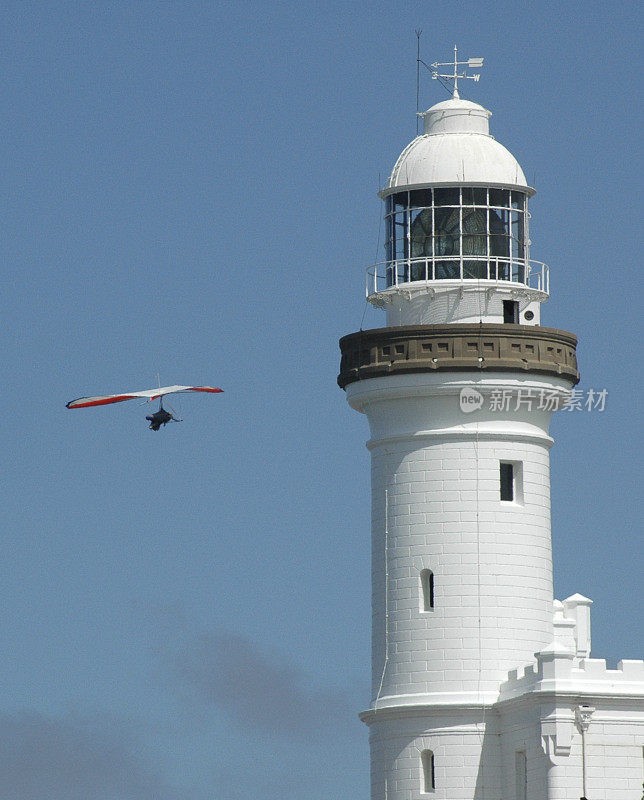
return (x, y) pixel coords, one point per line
(482, 684)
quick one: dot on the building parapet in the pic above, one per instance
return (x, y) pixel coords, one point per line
(426, 348)
(555, 671)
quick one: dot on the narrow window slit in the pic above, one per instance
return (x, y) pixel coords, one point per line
(507, 481)
(429, 776)
(427, 589)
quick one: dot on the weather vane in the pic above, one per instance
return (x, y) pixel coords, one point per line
(475, 63)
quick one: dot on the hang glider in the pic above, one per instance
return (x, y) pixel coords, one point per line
(148, 394)
(160, 417)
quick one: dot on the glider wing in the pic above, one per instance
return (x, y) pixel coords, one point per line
(148, 394)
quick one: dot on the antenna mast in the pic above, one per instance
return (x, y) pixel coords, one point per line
(418, 32)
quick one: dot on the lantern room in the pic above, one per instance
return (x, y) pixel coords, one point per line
(456, 219)
(456, 232)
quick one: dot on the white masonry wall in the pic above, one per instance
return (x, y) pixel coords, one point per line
(538, 716)
(491, 561)
(436, 505)
(459, 304)
(457, 740)
(614, 755)
(615, 766)
(614, 770)
(521, 732)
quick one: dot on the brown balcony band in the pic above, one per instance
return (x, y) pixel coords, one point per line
(425, 348)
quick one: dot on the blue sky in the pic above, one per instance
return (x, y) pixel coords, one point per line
(189, 188)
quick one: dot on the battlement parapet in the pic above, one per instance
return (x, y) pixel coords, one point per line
(556, 671)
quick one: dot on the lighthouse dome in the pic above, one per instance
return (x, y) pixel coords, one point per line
(456, 148)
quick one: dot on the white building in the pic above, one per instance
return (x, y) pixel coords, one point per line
(483, 686)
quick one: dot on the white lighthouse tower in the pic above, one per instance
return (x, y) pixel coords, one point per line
(458, 389)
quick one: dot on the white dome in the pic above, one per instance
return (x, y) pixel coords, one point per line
(456, 148)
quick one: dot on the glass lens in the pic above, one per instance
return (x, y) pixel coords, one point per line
(517, 227)
(446, 246)
(446, 270)
(499, 197)
(421, 233)
(474, 196)
(503, 268)
(400, 235)
(467, 194)
(499, 222)
(400, 201)
(474, 269)
(446, 197)
(419, 271)
(500, 246)
(475, 220)
(474, 245)
(420, 198)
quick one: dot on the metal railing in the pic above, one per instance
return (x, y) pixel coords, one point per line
(405, 271)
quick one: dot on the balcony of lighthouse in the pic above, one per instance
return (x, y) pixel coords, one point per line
(457, 239)
(530, 277)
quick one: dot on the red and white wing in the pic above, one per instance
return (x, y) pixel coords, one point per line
(148, 394)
